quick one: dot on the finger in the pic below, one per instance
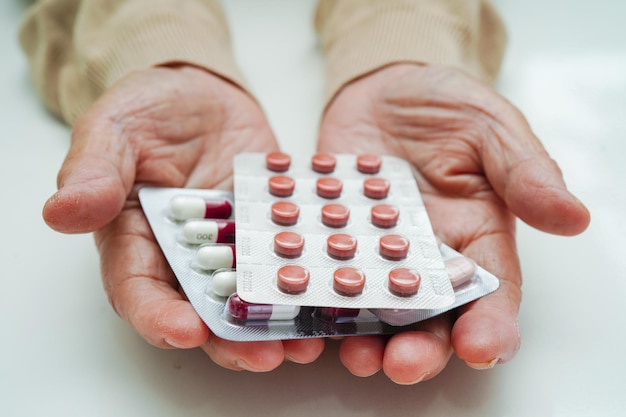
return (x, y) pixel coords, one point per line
(251, 356)
(94, 180)
(362, 355)
(303, 350)
(142, 288)
(415, 356)
(528, 180)
(486, 331)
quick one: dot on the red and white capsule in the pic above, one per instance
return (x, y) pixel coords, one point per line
(224, 282)
(243, 310)
(212, 257)
(184, 207)
(198, 231)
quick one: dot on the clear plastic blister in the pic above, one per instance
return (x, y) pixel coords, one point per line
(211, 291)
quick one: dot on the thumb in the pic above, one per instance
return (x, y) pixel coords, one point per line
(95, 178)
(531, 183)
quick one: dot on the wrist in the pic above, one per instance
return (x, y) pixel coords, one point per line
(359, 38)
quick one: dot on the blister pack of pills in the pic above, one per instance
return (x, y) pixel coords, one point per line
(195, 230)
(349, 231)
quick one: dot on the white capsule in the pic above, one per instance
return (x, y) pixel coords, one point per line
(184, 207)
(460, 270)
(212, 257)
(200, 231)
(224, 282)
(284, 312)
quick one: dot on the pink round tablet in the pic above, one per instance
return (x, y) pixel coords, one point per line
(277, 161)
(384, 215)
(404, 282)
(376, 188)
(348, 281)
(368, 163)
(281, 185)
(288, 244)
(285, 213)
(341, 246)
(323, 163)
(460, 270)
(335, 215)
(292, 279)
(394, 246)
(329, 187)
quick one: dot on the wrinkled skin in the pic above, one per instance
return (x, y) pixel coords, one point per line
(479, 166)
(174, 127)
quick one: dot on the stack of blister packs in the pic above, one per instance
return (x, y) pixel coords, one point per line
(328, 245)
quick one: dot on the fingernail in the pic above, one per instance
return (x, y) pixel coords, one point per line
(288, 358)
(173, 344)
(416, 381)
(484, 365)
(421, 378)
(243, 365)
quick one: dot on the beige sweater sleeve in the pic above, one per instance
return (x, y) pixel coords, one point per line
(360, 36)
(79, 48)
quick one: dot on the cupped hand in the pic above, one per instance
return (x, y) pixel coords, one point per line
(167, 126)
(479, 166)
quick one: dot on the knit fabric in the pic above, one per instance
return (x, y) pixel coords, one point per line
(79, 48)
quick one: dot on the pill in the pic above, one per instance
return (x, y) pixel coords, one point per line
(341, 246)
(288, 244)
(292, 279)
(281, 186)
(368, 163)
(376, 188)
(285, 213)
(337, 312)
(212, 257)
(384, 215)
(396, 316)
(243, 310)
(277, 161)
(329, 187)
(460, 270)
(209, 231)
(394, 246)
(403, 282)
(323, 163)
(348, 281)
(224, 282)
(335, 215)
(184, 207)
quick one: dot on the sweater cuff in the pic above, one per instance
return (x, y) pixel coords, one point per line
(365, 36)
(152, 40)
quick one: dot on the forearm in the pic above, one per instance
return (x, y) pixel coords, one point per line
(77, 49)
(360, 36)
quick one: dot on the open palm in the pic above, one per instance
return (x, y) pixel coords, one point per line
(166, 126)
(478, 166)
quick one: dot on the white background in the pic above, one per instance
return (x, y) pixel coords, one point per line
(64, 352)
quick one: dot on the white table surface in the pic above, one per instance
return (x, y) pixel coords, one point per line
(64, 352)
